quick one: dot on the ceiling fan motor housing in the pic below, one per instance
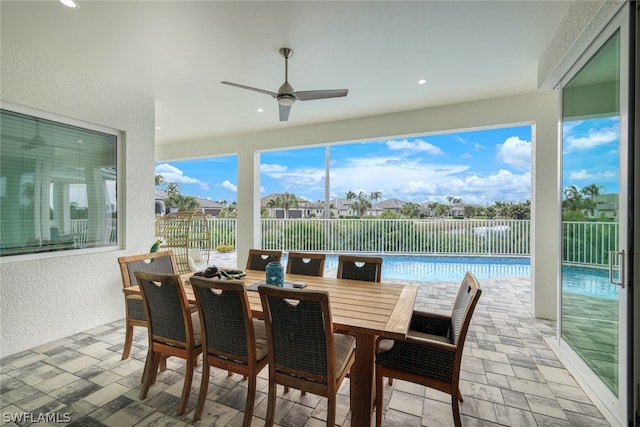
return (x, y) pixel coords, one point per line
(286, 100)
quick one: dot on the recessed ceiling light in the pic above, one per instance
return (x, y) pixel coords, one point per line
(70, 3)
(158, 128)
(260, 110)
(421, 81)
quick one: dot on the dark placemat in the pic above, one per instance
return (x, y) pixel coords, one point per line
(254, 287)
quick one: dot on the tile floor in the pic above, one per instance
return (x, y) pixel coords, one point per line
(509, 377)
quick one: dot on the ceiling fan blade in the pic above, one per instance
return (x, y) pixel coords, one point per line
(308, 95)
(284, 112)
(255, 89)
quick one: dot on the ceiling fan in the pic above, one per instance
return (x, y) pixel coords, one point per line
(36, 141)
(286, 96)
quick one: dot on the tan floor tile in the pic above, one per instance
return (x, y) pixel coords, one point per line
(106, 394)
(56, 382)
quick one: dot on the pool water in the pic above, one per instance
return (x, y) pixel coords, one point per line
(588, 281)
(576, 280)
(443, 268)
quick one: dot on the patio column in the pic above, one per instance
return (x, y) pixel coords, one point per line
(545, 211)
(248, 221)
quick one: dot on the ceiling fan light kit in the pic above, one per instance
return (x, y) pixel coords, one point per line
(286, 95)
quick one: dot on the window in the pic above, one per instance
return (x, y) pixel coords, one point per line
(57, 186)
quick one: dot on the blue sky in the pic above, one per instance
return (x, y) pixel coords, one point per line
(590, 153)
(479, 167)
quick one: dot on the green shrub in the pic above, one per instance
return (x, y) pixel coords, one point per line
(224, 248)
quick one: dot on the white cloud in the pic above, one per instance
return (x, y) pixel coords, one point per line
(272, 168)
(409, 179)
(171, 173)
(583, 174)
(502, 186)
(593, 139)
(416, 145)
(390, 175)
(229, 186)
(515, 152)
(296, 180)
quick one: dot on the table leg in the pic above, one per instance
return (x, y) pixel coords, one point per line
(362, 381)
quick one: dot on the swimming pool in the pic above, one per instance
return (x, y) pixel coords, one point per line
(590, 282)
(576, 280)
(443, 268)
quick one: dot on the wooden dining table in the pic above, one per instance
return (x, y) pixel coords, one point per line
(366, 310)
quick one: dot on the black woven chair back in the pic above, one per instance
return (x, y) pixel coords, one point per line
(306, 264)
(368, 269)
(258, 260)
(224, 308)
(299, 323)
(157, 264)
(463, 306)
(164, 301)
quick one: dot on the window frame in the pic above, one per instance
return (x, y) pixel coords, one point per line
(120, 206)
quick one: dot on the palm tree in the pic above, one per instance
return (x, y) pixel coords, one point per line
(433, 207)
(573, 200)
(469, 211)
(183, 203)
(350, 196)
(285, 201)
(592, 191)
(159, 180)
(442, 209)
(362, 204)
(375, 196)
(173, 187)
(454, 200)
(409, 209)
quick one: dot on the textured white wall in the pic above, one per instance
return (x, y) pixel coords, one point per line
(46, 297)
(540, 108)
(580, 26)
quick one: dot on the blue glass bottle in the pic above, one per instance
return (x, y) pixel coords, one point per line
(275, 274)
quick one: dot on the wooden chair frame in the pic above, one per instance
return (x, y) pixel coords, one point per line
(297, 264)
(133, 303)
(324, 384)
(247, 364)
(161, 345)
(434, 347)
(347, 268)
(259, 258)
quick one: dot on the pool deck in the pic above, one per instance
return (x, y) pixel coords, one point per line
(510, 376)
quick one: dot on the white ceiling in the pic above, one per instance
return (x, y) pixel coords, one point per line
(179, 51)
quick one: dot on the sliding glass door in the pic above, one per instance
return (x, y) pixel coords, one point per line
(594, 218)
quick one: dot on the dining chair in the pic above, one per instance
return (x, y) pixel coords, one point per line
(431, 354)
(304, 352)
(173, 329)
(360, 268)
(308, 264)
(232, 339)
(368, 269)
(259, 258)
(158, 262)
